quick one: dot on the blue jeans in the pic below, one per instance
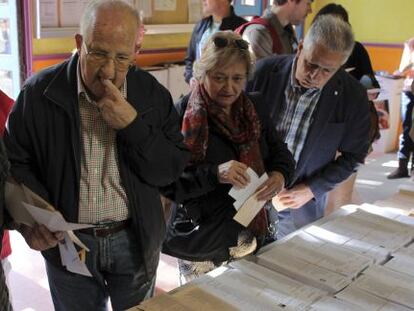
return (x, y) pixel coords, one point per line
(286, 224)
(118, 272)
(406, 143)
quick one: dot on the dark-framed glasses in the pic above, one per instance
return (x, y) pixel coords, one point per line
(121, 61)
(222, 42)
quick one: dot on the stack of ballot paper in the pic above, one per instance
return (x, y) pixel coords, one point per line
(334, 304)
(316, 262)
(387, 284)
(373, 229)
(368, 302)
(246, 204)
(284, 290)
(28, 208)
(402, 260)
(376, 253)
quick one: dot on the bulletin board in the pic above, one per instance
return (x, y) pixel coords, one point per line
(177, 16)
(58, 16)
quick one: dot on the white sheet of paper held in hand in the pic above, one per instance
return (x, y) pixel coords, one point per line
(54, 221)
(70, 258)
(246, 203)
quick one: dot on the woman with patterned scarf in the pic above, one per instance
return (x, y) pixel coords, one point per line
(227, 132)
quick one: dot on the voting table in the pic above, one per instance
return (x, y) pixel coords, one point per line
(359, 258)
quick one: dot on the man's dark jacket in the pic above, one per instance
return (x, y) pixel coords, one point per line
(230, 22)
(340, 123)
(44, 145)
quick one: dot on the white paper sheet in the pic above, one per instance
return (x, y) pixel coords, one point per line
(71, 11)
(242, 194)
(333, 304)
(367, 301)
(48, 13)
(324, 254)
(286, 291)
(378, 254)
(70, 258)
(54, 221)
(302, 271)
(388, 284)
(240, 291)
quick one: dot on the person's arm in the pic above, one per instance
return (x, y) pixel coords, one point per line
(279, 164)
(261, 43)
(20, 147)
(24, 169)
(353, 149)
(191, 55)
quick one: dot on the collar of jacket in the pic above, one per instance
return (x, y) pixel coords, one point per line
(226, 22)
(62, 89)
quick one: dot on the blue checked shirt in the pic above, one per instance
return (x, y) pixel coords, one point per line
(294, 121)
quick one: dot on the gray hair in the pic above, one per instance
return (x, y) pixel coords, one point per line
(213, 57)
(331, 32)
(88, 18)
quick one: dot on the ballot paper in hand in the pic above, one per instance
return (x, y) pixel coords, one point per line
(70, 258)
(246, 203)
(53, 220)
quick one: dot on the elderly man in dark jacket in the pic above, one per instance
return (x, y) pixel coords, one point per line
(96, 137)
(220, 16)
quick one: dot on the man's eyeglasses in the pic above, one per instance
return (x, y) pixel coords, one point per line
(121, 61)
(221, 42)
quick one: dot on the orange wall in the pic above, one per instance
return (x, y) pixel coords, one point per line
(384, 57)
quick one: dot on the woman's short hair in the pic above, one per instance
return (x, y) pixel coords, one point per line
(333, 9)
(223, 48)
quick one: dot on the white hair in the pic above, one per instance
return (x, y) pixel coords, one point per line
(332, 33)
(88, 18)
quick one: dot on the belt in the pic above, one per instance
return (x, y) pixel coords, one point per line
(104, 230)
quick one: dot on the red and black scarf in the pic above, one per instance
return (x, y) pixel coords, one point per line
(242, 128)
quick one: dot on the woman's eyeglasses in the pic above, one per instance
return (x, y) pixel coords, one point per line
(221, 42)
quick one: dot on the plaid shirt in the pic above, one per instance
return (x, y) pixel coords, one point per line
(102, 197)
(293, 124)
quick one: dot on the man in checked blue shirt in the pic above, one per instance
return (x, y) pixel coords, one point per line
(320, 111)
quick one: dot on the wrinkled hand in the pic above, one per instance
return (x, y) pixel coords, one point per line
(115, 110)
(293, 198)
(233, 172)
(39, 237)
(272, 186)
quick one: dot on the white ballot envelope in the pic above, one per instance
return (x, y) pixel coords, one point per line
(246, 203)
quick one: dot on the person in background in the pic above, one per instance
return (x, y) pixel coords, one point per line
(5, 304)
(95, 137)
(318, 109)
(219, 16)
(406, 145)
(6, 104)
(358, 64)
(273, 33)
(227, 132)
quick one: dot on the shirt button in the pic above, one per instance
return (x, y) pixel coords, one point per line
(94, 199)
